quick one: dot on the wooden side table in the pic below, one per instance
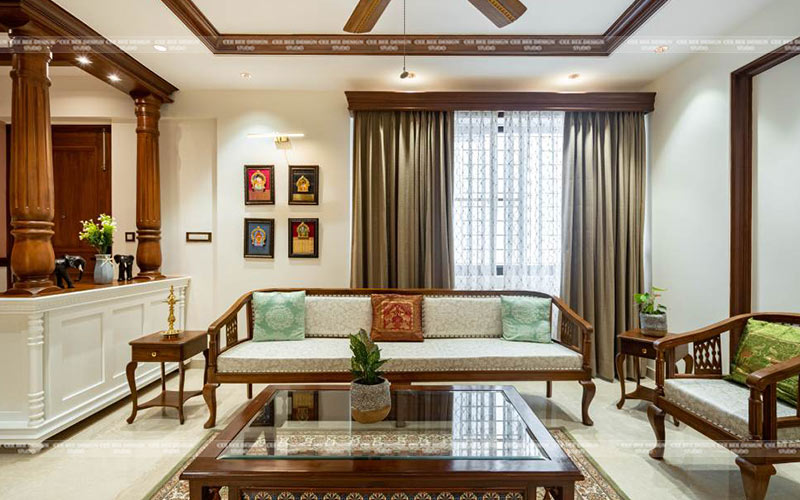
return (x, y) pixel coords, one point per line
(637, 344)
(155, 348)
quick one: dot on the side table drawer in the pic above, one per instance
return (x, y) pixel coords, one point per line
(640, 349)
(155, 353)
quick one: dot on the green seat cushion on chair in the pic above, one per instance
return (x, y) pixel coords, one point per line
(526, 319)
(279, 316)
(764, 344)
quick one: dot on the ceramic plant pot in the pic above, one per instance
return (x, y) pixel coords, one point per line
(103, 269)
(370, 403)
(654, 325)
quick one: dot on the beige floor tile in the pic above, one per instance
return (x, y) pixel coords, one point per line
(105, 458)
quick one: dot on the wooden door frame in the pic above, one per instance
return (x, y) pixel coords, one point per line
(8, 206)
(54, 127)
(741, 264)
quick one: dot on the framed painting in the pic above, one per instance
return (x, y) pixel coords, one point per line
(259, 185)
(304, 238)
(259, 238)
(303, 185)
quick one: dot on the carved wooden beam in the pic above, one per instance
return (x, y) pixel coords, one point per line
(148, 186)
(70, 36)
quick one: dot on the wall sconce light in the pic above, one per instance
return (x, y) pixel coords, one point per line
(282, 140)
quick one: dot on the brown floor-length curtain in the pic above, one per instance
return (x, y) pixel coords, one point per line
(604, 190)
(402, 199)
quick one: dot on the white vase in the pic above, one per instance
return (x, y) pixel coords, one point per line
(103, 269)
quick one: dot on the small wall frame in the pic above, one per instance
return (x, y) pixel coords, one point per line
(259, 238)
(304, 238)
(303, 184)
(259, 184)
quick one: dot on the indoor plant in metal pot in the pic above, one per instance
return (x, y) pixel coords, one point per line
(652, 315)
(370, 399)
(101, 235)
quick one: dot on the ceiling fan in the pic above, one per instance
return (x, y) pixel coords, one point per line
(367, 13)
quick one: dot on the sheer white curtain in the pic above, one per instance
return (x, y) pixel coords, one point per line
(507, 200)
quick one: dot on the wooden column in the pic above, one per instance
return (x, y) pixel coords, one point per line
(31, 176)
(148, 187)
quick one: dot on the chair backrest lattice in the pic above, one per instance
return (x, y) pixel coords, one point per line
(708, 356)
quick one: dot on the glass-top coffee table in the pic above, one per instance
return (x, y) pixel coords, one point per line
(438, 443)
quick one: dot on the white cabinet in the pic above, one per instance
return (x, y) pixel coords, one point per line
(63, 357)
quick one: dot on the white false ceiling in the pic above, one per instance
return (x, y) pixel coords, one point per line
(137, 26)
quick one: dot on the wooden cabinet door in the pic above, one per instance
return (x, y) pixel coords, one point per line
(82, 178)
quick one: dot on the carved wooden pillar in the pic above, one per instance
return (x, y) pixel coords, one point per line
(31, 176)
(148, 187)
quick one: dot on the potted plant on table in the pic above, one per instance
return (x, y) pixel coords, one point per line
(101, 235)
(652, 315)
(370, 398)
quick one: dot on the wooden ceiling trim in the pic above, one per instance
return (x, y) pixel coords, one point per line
(429, 45)
(630, 21)
(191, 16)
(741, 264)
(45, 19)
(500, 101)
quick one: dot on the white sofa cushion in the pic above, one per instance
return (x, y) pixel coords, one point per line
(723, 403)
(460, 317)
(320, 355)
(337, 316)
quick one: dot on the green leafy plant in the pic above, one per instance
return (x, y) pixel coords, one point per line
(100, 235)
(366, 361)
(647, 301)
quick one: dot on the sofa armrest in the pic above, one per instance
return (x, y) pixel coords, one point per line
(773, 374)
(571, 320)
(701, 334)
(229, 321)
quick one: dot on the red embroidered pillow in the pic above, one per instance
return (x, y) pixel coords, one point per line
(396, 318)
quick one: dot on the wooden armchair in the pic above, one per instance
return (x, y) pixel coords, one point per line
(749, 421)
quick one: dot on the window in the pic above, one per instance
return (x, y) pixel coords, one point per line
(507, 200)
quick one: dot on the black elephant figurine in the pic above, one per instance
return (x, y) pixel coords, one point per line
(125, 267)
(62, 266)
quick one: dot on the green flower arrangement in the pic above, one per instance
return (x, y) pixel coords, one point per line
(101, 235)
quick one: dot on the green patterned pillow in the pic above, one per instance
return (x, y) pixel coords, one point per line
(764, 344)
(279, 316)
(526, 319)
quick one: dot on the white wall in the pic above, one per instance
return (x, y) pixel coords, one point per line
(204, 146)
(690, 175)
(776, 242)
(203, 172)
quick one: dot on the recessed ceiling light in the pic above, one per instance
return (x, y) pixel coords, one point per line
(160, 48)
(83, 60)
(574, 76)
(245, 75)
(114, 77)
(661, 49)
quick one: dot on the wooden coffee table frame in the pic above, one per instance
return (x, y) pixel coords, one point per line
(207, 473)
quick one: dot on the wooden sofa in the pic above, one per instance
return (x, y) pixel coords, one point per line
(462, 344)
(750, 421)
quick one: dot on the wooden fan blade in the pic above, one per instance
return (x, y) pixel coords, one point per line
(365, 15)
(500, 12)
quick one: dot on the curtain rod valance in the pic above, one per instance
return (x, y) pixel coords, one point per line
(501, 101)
